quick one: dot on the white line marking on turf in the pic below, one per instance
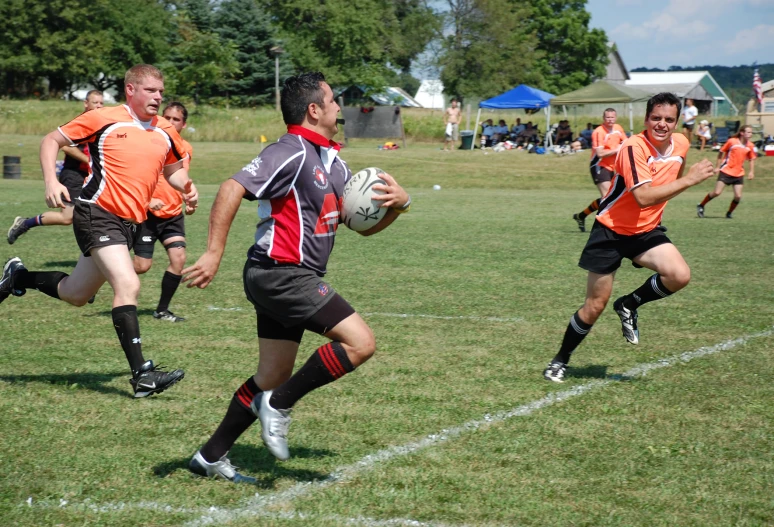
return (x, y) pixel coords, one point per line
(255, 505)
(439, 317)
(259, 504)
(213, 308)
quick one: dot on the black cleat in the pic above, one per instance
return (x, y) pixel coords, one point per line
(555, 371)
(167, 315)
(17, 229)
(628, 321)
(700, 211)
(13, 265)
(729, 216)
(152, 379)
(580, 221)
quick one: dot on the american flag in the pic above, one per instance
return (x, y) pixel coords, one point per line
(757, 87)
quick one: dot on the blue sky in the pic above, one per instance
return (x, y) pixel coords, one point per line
(659, 34)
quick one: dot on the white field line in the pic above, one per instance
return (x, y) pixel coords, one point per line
(258, 505)
(255, 505)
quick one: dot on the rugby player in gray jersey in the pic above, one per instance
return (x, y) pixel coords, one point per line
(298, 183)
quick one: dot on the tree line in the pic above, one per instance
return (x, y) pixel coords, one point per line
(215, 50)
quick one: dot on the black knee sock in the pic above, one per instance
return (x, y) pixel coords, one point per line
(325, 365)
(128, 330)
(652, 289)
(238, 418)
(168, 287)
(573, 336)
(47, 282)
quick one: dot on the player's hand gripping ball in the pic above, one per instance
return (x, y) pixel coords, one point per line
(359, 211)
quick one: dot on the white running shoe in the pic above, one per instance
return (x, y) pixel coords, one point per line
(274, 425)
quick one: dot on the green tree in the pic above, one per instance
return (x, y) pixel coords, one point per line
(572, 55)
(249, 29)
(200, 62)
(487, 48)
(351, 41)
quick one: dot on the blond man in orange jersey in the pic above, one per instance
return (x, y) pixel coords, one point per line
(730, 169)
(605, 143)
(166, 223)
(128, 145)
(649, 172)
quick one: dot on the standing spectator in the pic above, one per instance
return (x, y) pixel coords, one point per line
(732, 155)
(689, 118)
(649, 173)
(74, 173)
(451, 120)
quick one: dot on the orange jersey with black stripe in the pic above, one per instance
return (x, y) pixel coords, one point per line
(736, 154)
(638, 162)
(172, 199)
(127, 155)
(609, 140)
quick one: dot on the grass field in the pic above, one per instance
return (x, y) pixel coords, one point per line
(451, 423)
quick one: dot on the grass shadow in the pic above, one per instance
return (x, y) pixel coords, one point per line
(257, 462)
(90, 381)
(63, 263)
(594, 371)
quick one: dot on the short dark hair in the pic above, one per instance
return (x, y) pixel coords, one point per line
(298, 92)
(609, 110)
(179, 106)
(92, 92)
(663, 98)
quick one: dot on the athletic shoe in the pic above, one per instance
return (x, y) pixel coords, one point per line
(153, 379)
(167, 315)
(729, 216)
(700, 211)
(13, 265)
(580, 221)
(17, 229)
(555, 371)
(220, 469)
(274, 425)
(628, 321)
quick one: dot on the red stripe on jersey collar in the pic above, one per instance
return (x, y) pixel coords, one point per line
(313, 137)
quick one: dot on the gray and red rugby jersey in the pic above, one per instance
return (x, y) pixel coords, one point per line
(298, 182)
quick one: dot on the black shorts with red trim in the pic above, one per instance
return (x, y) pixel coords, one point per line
(606, 249)
(289, 300)
(730, 180)
(95, 227)
(155, 228)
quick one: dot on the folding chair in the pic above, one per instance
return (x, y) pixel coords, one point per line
(733, 126)
(721, 135)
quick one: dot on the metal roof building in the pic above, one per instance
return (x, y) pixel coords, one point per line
(707, 94)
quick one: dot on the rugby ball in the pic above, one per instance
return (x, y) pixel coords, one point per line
(359, 211)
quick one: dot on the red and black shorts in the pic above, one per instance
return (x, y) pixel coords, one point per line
(606, 249)
(289, 300)
(95, 227)
(155, 228)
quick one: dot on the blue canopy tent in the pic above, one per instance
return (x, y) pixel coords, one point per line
(522, 96)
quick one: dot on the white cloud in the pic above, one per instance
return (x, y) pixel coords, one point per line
(755, 38)
(663, 26)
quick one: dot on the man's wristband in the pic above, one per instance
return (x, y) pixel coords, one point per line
(404, 208)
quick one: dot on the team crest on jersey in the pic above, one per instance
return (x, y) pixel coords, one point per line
(322, 288)
(320, 179)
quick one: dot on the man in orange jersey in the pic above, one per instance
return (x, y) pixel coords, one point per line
(74, 172)
(128, 146)
(730, 169)
(605, 142)
(165, 223)
(649, 172)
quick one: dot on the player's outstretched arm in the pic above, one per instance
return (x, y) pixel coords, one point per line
(394, 197)
(49, 148)
(222, 216)
(648, 195)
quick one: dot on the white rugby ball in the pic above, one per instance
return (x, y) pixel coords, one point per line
(359, 211)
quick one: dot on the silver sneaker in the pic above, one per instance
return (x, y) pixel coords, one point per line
(700, 211)
(17, 229)
(628, 321)
(220, 469)
(555, 372)
(274, 425)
